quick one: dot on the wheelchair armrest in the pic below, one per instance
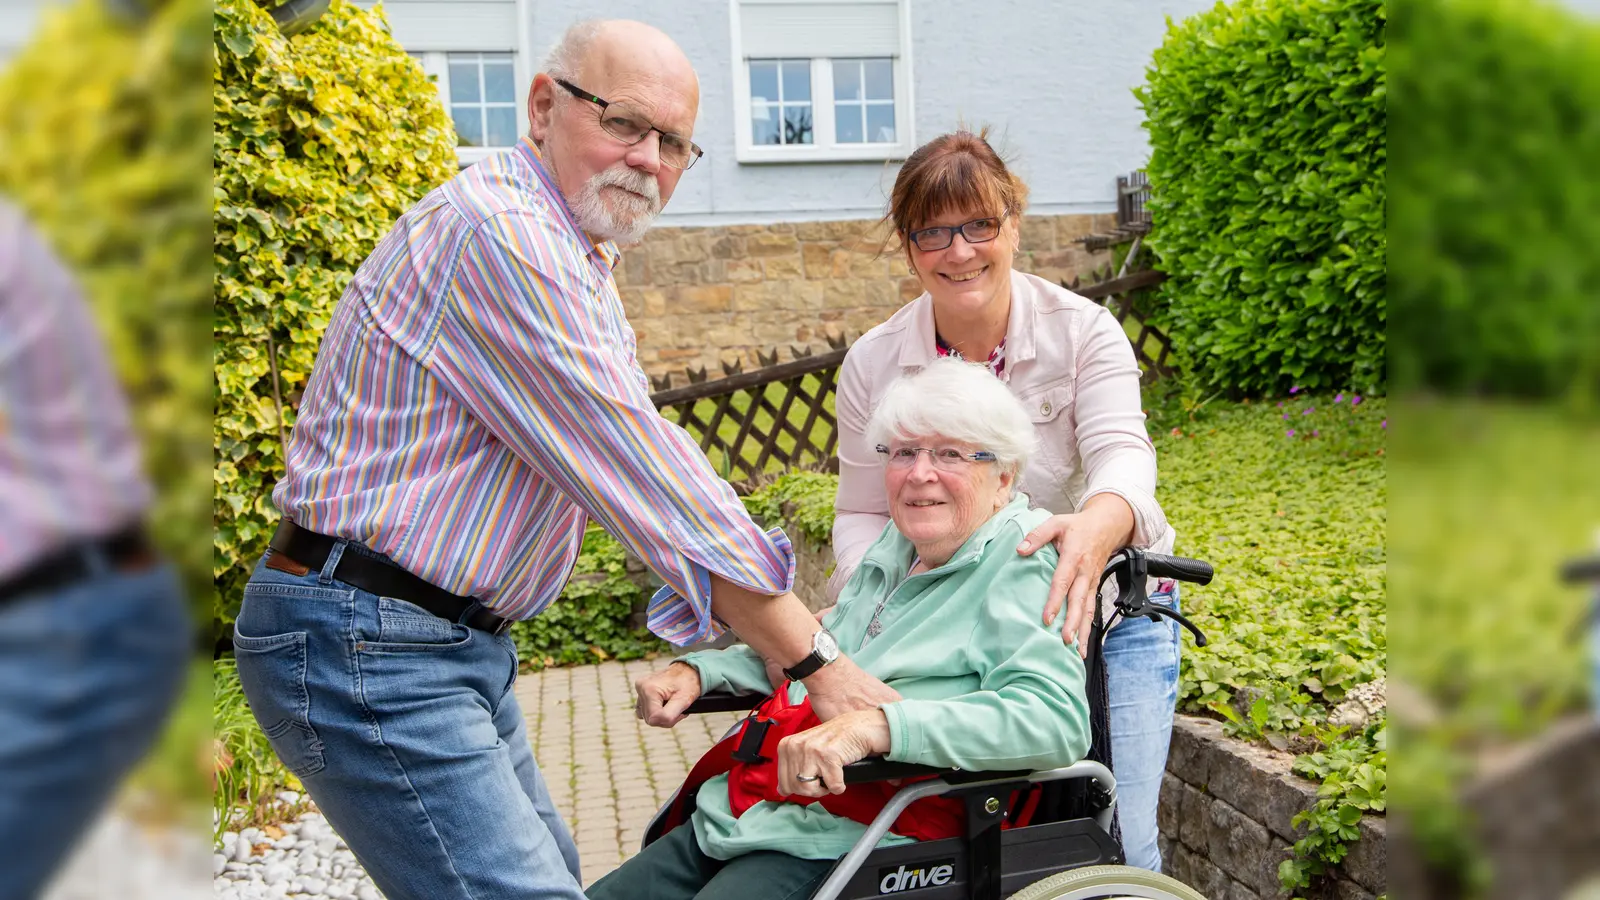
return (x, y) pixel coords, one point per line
(876, 768)
(716, 702)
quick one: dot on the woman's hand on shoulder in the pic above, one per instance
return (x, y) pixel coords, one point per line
(1084, 542)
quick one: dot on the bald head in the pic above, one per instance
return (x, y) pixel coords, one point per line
(595, 52)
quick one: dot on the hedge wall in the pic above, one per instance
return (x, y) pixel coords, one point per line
(104, 143)
(1267, 133)
(322, 141)
(1496, 213)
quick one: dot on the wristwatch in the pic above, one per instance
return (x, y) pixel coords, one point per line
(824, 650)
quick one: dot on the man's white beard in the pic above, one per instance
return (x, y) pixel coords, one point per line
(634, 214)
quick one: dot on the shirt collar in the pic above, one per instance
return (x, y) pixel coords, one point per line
(923, 348)
(605, 251)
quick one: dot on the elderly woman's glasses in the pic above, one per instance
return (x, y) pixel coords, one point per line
(630, 127)
(978, 231)
(948, 459)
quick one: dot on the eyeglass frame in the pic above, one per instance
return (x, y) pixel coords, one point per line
(694, 149)
(976, 456)
(911, 236)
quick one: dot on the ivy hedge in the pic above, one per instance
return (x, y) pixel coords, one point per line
(322, 141)
(1495, 214)
(1267, 130)
(104, 144)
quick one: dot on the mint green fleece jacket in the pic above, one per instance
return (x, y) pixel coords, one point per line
(986, 685)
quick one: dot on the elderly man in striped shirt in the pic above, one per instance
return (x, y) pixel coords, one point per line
(475, 400)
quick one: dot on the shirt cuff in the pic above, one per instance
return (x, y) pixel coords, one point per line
(683, 620)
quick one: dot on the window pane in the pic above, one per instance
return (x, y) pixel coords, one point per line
(797, 124)
(499, 83)
(880, 123)
(502, 125)
(763, 81)
(764, 125)
(847, 122)
(469, 125)
(847, 79)
(463, 81)
(880, 79)
(796, 80)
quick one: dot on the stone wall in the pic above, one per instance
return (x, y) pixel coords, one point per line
(698, 296)
(1224, 819)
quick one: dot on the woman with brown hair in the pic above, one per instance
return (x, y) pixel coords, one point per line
(956, 209)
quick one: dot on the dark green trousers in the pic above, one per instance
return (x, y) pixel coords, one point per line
(673, 868)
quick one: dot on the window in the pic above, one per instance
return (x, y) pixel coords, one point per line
(481, 92)
(822, 80)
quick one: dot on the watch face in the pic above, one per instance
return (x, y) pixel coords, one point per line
(826, 645)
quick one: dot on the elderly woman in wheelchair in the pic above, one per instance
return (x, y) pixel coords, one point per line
(945, 611)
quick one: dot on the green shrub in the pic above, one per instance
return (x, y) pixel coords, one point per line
(104, 143)
(1267, 133)
(592, 620)
(322, 141)
(798, 502)
(1495, 209)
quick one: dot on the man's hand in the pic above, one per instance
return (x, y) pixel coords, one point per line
(664, 695)
(1084, 541)
(842, 686)
(823, 752)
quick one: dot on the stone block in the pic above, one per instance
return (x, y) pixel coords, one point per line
(1240, 846)
(1191, 749)
(1070, 227)
(813, 231)
(704, 299)
(694, 246)
(634, 269)
(784, 268)
(1167, 821)
(1367, 863)
(910, 289)
(727, 247)
(743, 271)
(1344, 889)
(1204, 876)
(1038, 233)
(1193, 814)
(818, 259)
(771, 244)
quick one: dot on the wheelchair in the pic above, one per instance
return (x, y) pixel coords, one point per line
(1068, 849)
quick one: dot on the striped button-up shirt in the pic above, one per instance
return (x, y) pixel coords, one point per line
(477, 394)
(69, 462)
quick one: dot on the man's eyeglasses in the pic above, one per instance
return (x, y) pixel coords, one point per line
(978, 231)
(630, 127)
(948, 459)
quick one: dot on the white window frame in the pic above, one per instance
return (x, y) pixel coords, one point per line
(824, 147)
(436, 64)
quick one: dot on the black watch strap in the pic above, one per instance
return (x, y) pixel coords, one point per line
(805, 667)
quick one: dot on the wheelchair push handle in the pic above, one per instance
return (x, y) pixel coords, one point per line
(1180, 568)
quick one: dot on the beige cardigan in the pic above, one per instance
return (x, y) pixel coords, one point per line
(1071, 365)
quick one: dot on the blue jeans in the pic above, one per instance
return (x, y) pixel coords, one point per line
(404, 729)
(88, 674)
(1142, 667)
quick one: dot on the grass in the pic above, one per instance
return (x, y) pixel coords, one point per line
(750, 449)
(248, 773)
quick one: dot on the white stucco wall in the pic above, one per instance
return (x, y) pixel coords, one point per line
(1052, 79)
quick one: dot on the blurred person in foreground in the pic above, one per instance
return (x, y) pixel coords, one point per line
(475, 400)
(94, 630)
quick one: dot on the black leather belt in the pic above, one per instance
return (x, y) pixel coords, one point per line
(123, 550)
(310, 550)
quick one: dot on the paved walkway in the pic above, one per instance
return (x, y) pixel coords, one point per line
(607, 771)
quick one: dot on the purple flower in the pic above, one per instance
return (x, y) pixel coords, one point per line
(1280, 404)
(1355, 400)
(1384, 424)
(1309, 410)
(1291, 432)
(1315, 433)
(1339, 397)
(1286, 417)
(1295, 389)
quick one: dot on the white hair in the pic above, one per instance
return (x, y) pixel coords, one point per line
(957, 401)
(565, 58)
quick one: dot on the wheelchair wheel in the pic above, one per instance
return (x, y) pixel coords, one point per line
(1108, 883)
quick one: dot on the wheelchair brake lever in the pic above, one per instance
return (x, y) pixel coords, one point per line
(1153, 612)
